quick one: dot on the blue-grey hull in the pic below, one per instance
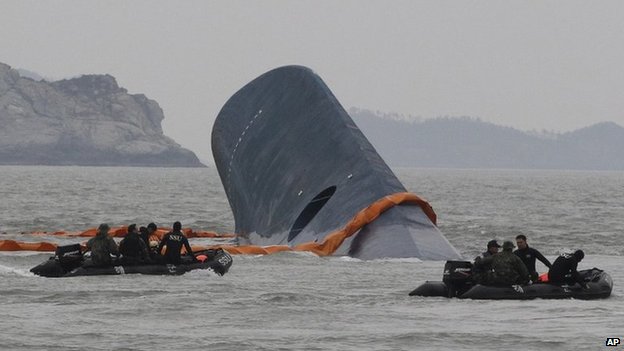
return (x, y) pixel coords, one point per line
(296, 168)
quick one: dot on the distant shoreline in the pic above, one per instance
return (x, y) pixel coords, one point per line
(469, 143)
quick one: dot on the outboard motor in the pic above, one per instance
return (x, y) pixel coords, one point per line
(66, 258)
(223, 262)
(457, 277)
(69, 256)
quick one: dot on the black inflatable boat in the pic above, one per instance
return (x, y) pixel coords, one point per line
(68, 261)
(457, 282)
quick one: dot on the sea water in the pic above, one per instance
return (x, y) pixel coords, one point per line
(298, 301)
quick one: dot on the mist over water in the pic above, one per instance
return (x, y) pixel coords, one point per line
(297, 301)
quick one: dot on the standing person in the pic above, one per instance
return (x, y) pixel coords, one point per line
(564, 269)
(528, 255)
(174, 241)
(506, 268)
(133, 248)
(102, 246)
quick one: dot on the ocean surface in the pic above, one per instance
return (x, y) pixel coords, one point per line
(298, 301)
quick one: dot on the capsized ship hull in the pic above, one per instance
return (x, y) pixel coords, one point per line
(295, 168)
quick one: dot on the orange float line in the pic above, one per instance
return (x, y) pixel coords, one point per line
(333, 241)
(60, 233)
(12, 245)
(122, 231)
(330, 244)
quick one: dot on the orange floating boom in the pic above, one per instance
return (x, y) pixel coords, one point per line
(326, 248)
(333, 241)
(12, 245)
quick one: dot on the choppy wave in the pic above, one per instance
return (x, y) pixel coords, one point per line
(298, 301)
(6, 270)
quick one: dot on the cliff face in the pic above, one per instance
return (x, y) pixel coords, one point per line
(88, 120)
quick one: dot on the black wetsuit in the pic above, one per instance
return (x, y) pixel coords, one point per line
(144, 235)
(564, 270)
(133, 249)
(528, 256)
(174, 241)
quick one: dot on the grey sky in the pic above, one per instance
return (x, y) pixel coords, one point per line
(556, 65)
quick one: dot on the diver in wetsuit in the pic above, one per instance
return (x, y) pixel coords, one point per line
(528, 255)
(174, 241)
(133, 248)
(563, 270)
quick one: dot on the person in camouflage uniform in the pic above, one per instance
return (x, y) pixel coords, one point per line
(505, 268)
(479, 272)
(102, 246)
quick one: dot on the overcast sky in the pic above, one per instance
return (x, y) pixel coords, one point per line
(555, 65)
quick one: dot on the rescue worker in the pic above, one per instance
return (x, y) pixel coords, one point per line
(506, 268)
(149, 236)
(143, 235)
(528, 255)
(479, 273)
(102, 247)
(133, 248)
(174, 241)
(492, 249)
(564, 269)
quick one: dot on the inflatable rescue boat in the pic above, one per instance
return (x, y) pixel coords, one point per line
(68, 261)
(457, 282)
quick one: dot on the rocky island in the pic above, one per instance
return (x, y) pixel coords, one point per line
(87, 121)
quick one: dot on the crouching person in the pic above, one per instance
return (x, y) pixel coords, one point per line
(564, 269)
